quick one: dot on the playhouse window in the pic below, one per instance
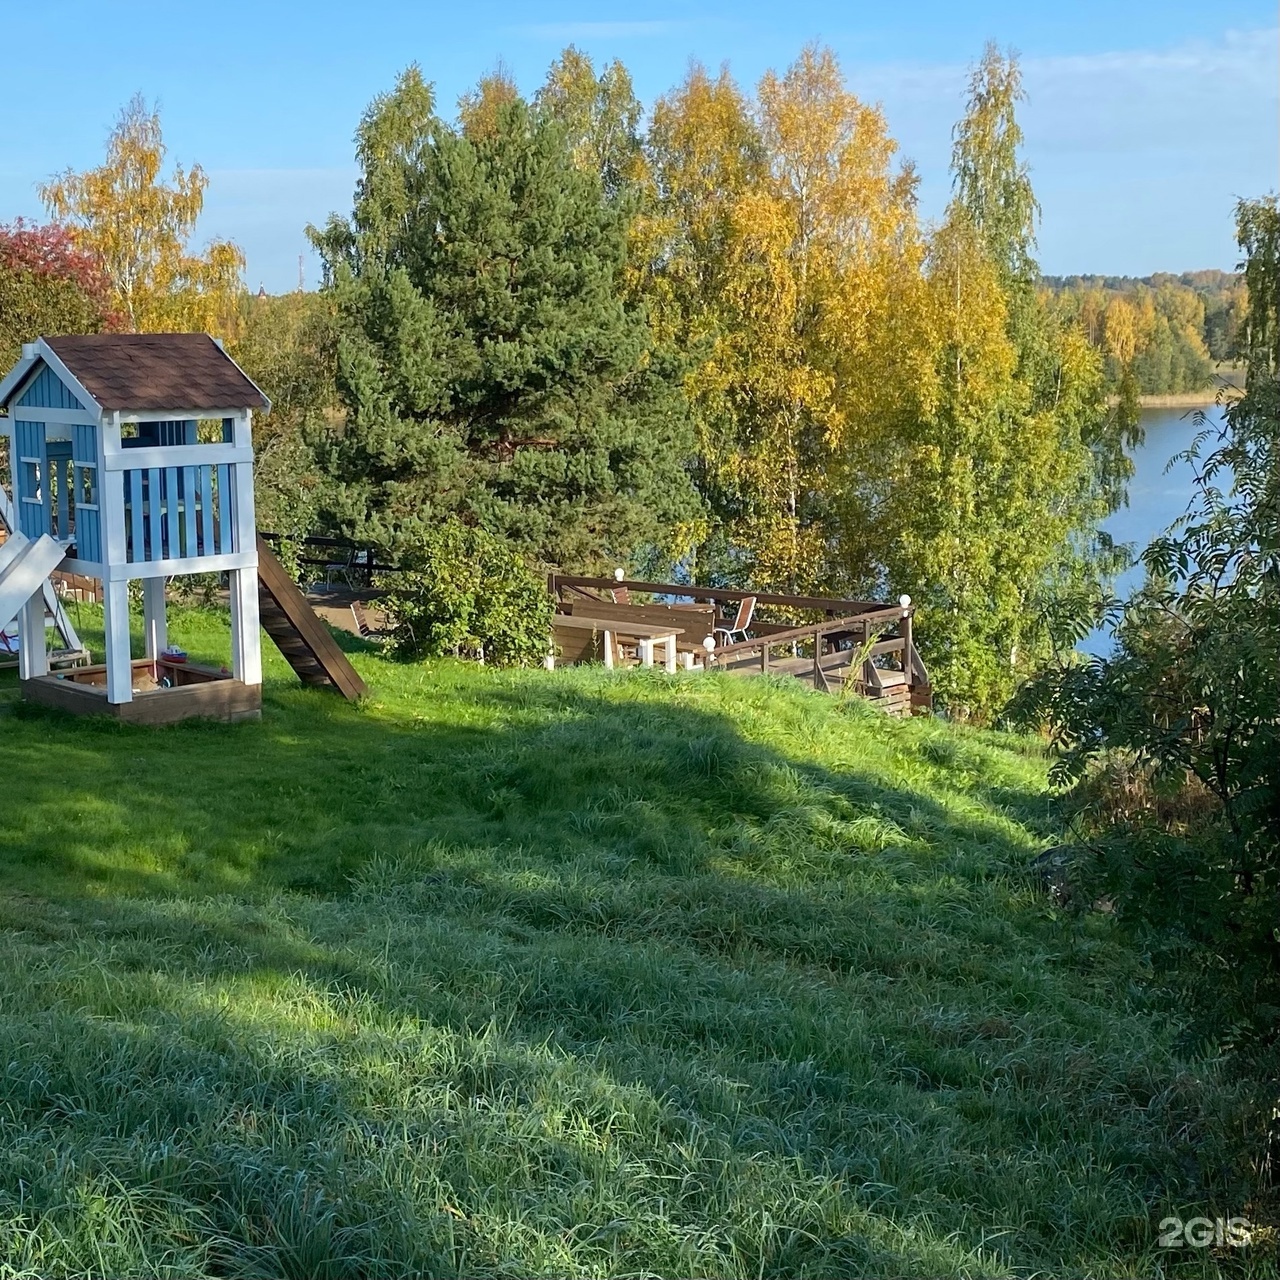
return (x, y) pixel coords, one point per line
(214, 431)
(86, 487)
(157, 433)
(175, 434)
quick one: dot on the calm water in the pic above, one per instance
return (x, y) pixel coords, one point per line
(1158, 493)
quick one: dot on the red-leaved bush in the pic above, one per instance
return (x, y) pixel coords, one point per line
(48, 286)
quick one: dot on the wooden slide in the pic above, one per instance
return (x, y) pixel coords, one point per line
(299, 634)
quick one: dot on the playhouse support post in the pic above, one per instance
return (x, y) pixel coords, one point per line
(115, 618)
(155, 620)
(246, 642)
(246, 636)
(33, 658)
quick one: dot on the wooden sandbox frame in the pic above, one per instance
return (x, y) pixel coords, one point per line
(195, 691)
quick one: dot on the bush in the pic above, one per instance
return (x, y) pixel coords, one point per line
(464, 592)
(1172, 745)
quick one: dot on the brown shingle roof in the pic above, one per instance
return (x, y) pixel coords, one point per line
(157, 371)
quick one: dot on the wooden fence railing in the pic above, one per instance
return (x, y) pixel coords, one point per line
(559, 583)
(836, 644)
(356, 561)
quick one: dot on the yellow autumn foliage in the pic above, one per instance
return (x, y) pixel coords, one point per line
(787, 241)
(138, 226)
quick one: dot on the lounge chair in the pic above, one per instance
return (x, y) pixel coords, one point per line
(741, 623)
(363, 625)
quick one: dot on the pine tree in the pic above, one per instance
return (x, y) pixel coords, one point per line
(491, 366)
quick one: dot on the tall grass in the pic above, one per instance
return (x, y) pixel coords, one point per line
(568, 974)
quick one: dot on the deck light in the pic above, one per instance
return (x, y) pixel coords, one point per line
(905, 601)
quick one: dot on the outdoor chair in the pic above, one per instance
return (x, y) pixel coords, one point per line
(741, 623)
(364, 626)
(621, 595)
(350, 569)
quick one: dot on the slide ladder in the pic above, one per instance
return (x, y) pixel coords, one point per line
(298, 632)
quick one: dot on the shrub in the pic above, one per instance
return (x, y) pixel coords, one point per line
(47, 286)
(463, 591)
(1172, 744)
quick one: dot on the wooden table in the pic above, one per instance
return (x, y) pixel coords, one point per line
(645, 635)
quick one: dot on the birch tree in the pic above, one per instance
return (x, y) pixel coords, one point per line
(138, 225)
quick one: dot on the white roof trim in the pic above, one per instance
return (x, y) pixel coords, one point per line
(217, 342)
(18, 375)
(15, 378)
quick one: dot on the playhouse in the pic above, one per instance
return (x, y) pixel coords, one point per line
(131, 457)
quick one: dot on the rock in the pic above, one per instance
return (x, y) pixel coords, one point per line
(1052, 870)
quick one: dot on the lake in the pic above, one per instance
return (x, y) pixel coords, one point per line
(1158, 493)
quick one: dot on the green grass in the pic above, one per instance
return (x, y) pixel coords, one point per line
(534, 974)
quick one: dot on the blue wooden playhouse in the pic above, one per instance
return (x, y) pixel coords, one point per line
(135, 453)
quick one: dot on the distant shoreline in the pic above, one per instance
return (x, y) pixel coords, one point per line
(1228, 381)
(1186, 399)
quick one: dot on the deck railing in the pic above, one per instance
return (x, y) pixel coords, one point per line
(560, 584)
(356, 561)
(873, 630)
(831, 645)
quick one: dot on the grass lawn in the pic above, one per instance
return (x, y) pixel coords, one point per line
(530, 974)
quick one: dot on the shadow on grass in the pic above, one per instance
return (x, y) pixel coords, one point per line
(577, 980)
(304, 798)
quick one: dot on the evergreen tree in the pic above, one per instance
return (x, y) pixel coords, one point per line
(491, 365)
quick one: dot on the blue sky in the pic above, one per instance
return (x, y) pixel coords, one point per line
(1146, 119)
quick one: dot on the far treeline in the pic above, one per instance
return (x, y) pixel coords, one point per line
(1168, 332)
(711, 339)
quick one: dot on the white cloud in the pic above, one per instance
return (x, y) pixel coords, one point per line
(1248, 58)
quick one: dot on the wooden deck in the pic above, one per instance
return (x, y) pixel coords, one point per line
(839, 670)
(866, 647)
